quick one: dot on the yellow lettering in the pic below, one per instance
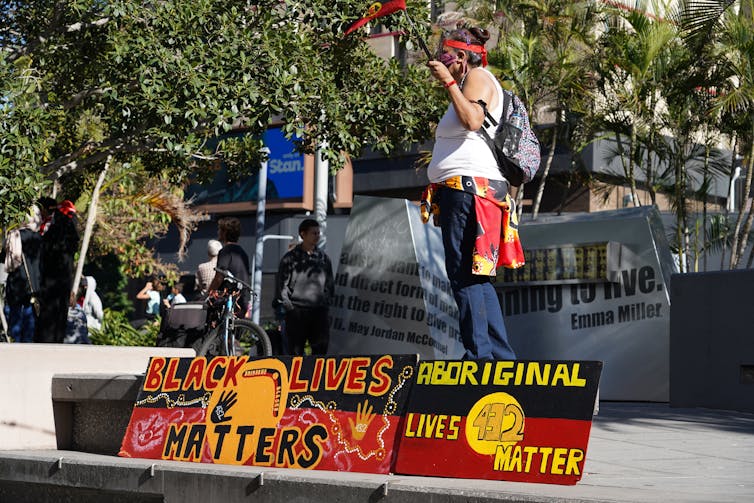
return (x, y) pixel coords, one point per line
(534, 375)
(440, 433)
(453, 427)
(558, 460)
(546, 451)
(575, 456)
(514, 463)
(409, 420)
(486, 373)
(502, 376)
(502, 457)
(425, 373)
(431, 423)
(561, 374)
(437, 371)
(530, 452)
(469, 369)
(575, 379)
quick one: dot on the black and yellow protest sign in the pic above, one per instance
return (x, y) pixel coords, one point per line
(329, 413)
(524, 421)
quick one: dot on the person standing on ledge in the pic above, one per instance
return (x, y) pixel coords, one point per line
(467, 190)
(305, 287)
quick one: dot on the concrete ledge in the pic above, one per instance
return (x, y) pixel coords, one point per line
(92, 411)
(56, 476)
(26, 416)
(638, 453)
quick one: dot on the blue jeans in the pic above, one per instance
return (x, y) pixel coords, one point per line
(20, 323)
(479, 315)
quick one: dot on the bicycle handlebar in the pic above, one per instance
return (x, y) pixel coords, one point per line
(229, 275)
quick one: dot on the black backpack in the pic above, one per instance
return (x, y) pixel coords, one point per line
(521, 161)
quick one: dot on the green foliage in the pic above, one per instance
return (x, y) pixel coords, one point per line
(20, 153)
(82, 80)
(117, 331)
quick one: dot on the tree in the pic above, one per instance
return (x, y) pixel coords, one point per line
(737, 53)
(543, 48)
(83, 80)
(726, 34)
(631, 63)
(151, 85)
(567, 29)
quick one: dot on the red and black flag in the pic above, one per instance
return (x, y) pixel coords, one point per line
(520, 421)
(377, 9)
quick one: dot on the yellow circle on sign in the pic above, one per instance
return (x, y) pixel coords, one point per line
(495, 419)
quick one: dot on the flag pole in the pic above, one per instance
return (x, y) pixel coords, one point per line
(422, 44)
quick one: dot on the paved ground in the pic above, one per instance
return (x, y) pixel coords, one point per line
(654, 453)
(638, 452)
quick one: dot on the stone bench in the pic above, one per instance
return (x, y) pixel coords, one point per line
(26, 417)
(92, 411)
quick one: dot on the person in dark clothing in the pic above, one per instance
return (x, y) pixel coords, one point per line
(232, 258)
(304, 289)
(59, 244)
(21, 256)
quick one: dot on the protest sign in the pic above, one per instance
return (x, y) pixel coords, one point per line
(521, 421)
(391, 290)
(326, 413)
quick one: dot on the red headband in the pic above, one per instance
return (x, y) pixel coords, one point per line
(479, 49)
(67, 208)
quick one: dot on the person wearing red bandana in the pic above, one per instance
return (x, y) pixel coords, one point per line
(467, 194)
(59, 245)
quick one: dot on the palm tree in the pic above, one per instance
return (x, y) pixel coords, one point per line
(631, 62)
(541, 56)
(569, 42)
(735, 44)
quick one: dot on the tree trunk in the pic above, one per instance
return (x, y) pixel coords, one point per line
(704, 204)
(738, 235)
(650, 149)
(548, 164)
(91, 217)
(631, 156)
(744, 240)
(733, 150)
(680, 221)
(627, 170)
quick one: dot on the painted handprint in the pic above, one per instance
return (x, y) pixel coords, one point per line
(226, 401)
(364, 416)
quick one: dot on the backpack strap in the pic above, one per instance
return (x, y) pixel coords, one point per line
(490, 118)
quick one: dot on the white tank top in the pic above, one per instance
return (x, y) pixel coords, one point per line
(460, 152)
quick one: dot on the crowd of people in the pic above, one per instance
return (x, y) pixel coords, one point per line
(38, 261)
(304, 287)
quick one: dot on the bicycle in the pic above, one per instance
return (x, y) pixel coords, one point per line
(228, 335)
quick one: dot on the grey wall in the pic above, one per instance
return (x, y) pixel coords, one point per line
(712, 340)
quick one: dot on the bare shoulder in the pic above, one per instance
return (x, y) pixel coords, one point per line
(478, 85)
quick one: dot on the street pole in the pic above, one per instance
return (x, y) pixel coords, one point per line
(257, 285)
(321, 176)
(259, 251)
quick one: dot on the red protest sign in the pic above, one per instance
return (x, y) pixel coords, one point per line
(327, 413)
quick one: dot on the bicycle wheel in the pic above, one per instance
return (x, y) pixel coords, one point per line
(252, 338)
